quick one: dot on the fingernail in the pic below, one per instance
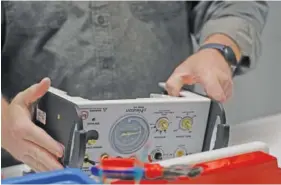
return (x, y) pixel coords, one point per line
(60, 154)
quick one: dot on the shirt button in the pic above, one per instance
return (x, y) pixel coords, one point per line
(107, 62)
(100, 19)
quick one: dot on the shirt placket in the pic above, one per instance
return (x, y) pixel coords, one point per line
(102, 34)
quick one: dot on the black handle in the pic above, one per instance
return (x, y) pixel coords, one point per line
(65, 125)
(78, 149)
(222, 136)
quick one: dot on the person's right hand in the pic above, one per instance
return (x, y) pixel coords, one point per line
(23, 139)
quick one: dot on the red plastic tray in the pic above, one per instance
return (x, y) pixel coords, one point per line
(250, 168)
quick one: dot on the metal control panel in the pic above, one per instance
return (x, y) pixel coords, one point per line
(170, 128)
(151, 129)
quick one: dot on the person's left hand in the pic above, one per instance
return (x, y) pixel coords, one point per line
(206, 67)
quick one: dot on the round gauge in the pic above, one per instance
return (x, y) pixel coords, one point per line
(186, 123)
(162, 124)
(129, 134)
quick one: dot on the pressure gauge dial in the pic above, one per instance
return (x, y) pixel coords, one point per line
(129, 134)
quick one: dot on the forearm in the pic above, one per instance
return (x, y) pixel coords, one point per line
(243, 22)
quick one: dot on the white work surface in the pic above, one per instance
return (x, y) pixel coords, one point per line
(266, 130)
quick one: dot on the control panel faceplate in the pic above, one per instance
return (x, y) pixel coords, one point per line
(171, 128)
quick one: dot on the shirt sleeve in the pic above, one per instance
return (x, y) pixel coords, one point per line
(3, 25)
(241, 21)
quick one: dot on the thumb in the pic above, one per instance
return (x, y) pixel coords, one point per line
(33, 93)
(213, 88)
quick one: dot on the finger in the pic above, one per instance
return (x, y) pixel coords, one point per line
(226, 83)
(176, 82)
(213, 87)
(42, 156)
(33, 164)
(174, 85)
(33, 93)
(228, 89)
(38, 136)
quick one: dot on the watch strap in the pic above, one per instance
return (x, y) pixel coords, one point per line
(219, 47)
(226, 52)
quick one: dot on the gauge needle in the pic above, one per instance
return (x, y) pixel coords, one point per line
(129, 133)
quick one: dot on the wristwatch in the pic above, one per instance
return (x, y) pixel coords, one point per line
(226, 52)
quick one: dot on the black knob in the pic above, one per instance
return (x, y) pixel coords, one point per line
(92, 135)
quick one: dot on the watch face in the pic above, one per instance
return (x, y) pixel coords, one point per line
(230, 56)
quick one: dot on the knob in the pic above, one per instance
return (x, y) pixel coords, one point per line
(180, 152)
(92, 136)
(186, 123)
(162, 124)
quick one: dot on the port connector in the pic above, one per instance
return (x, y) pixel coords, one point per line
(87, 160)
(158, 156)
(133, 157)
(104, 156)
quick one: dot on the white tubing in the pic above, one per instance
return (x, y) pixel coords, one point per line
(217, 154)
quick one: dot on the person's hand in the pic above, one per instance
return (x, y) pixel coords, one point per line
(206, 67)
(23, 139)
